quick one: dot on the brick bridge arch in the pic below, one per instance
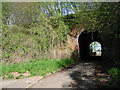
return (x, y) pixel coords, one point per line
(84, 39)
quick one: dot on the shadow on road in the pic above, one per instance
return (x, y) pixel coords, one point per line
(88, 75)
(82, 81)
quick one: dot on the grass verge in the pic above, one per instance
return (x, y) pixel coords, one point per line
(34, 67)
(113, 69)
(115, 74)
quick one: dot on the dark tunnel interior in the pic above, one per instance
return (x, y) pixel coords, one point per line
(84, 40)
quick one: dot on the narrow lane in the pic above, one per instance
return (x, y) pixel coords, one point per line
(79, 76)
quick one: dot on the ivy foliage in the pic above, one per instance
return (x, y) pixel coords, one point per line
(19, 42)
(32, 29)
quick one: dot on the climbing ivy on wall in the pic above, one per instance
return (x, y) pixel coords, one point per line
(36, 28)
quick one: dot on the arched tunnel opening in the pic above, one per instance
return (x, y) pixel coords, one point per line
(90, 46)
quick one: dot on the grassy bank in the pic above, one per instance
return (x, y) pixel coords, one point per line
(35, 67)
(114, 72)
(113, 69)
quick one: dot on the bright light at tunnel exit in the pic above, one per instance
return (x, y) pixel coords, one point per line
(95, 49)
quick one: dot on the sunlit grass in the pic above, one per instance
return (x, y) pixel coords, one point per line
(36, 67)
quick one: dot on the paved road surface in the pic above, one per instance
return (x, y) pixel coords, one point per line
(80, 76)
(84, 75)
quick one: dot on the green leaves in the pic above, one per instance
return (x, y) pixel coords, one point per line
(114, 72)
(21, 44)
(35, 67)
